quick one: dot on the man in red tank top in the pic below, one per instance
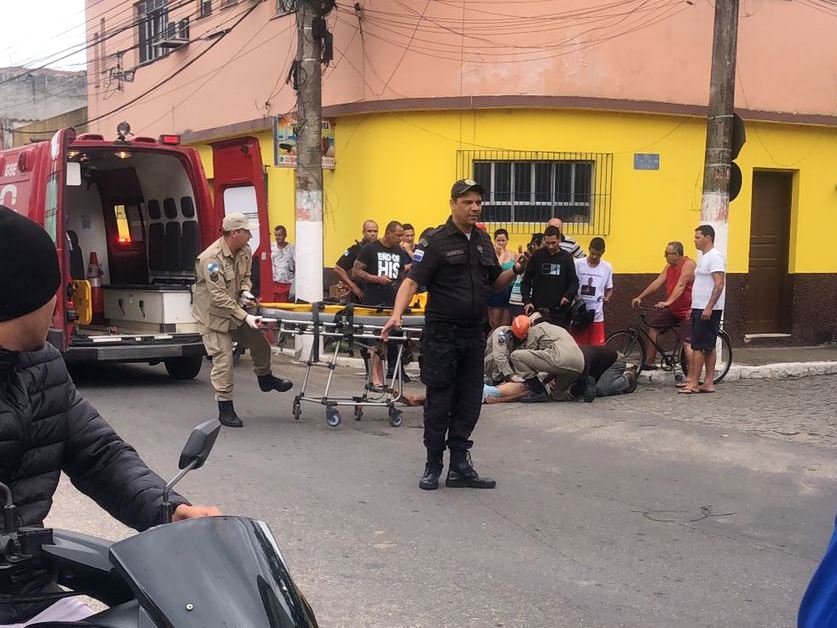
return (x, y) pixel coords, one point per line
(677, 277)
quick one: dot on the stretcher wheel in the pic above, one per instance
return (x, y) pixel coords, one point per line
(358, 412)
(297, 409)
(333, 417)
(395, 417)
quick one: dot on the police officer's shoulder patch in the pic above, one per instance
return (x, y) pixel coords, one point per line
(418, 255)
(502, 338)
(213, 268)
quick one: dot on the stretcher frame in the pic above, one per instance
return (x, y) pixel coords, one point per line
(353, 324)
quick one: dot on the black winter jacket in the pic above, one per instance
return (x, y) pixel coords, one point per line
(46, 428)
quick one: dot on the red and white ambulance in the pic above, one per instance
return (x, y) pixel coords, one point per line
(129, 216)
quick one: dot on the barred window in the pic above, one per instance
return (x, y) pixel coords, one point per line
(204, 8)
(152, 21)
(524, 190)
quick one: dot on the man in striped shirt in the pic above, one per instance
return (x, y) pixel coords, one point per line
(567, 244)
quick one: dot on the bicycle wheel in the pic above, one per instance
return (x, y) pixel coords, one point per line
(629, 347)
(722, 363)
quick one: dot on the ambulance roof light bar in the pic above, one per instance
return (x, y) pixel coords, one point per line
(171, 139)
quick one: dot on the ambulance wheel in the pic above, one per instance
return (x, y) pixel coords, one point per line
(297, 410)
(184, 368)
(333, 417)
(358, 413)
(395, 417)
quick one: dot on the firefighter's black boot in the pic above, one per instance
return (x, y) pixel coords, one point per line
(227, 415)
(537, 391)
(461, 473)
(269, 382)
(432, 470)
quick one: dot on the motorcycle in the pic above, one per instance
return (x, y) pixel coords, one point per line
(198, 573)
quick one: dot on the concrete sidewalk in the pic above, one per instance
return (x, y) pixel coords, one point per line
(770, 363)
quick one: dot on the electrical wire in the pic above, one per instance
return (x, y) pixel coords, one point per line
(243, 15)
(92, 81)
(87, 45)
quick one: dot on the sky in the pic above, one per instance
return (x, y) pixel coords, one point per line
(39, 31)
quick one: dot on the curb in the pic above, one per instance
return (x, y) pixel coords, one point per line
(778, 370)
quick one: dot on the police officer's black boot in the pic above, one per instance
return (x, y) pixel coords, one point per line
(270, 382)
(537, 391)
(461, 473)
(432, 470)
(227, 415)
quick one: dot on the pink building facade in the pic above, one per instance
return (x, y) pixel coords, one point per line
(606, 97)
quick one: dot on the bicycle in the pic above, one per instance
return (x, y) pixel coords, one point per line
(630, 345)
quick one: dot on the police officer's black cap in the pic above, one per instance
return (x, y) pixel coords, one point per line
(29, 263)
(463, 186)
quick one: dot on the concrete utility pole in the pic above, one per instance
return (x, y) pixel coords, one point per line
(309, 155)
(718, 165)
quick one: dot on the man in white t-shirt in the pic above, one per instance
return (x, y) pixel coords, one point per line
(595, 287)
(708, 293)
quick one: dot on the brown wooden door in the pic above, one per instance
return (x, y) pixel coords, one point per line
(768, 293)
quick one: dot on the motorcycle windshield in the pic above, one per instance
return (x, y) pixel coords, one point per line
(213, 571)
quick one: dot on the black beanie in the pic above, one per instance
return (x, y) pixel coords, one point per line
(28, 266)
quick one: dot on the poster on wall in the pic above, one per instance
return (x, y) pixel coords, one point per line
(284, 142)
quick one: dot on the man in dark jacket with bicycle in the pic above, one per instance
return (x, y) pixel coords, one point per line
(46, 427)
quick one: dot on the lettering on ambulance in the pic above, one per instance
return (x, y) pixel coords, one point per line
(389, 264)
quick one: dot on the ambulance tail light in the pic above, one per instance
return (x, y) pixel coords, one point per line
(170, 139)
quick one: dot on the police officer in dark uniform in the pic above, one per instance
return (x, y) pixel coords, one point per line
(343, 266)
(457, 263)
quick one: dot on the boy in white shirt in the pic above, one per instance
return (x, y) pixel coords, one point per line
(595, 287)
(708, 292)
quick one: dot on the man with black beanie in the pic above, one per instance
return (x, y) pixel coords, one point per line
(46, 427)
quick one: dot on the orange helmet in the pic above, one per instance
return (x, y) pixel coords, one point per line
(520, 326)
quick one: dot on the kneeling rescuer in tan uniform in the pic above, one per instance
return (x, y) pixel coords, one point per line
(222, 288)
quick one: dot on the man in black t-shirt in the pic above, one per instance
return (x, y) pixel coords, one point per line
(343, 266)
(550, 281)
(380, 265)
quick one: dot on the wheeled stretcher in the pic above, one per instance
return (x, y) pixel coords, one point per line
(361, 328)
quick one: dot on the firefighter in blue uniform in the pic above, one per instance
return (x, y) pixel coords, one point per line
(457, 263)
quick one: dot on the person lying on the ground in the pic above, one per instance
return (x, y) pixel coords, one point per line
(611, 377)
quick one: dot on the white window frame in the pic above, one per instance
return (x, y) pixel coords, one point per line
(491, 192)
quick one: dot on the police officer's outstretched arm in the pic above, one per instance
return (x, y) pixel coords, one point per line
(402, 299)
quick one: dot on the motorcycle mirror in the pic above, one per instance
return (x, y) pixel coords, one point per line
(200, 443)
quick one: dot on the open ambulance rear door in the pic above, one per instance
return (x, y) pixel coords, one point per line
(239, 184)
(59, 174)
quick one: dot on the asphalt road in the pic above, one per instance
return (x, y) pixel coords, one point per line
(641, 510)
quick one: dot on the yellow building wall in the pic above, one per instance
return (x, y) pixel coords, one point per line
(399, 166)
